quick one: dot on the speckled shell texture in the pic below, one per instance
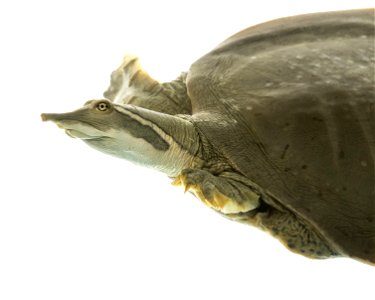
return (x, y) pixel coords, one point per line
(291, 104)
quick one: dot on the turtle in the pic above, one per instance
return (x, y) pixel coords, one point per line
(275, 128)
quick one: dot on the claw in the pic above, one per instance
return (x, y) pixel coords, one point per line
(186, 188)
(179, 181)
(176, 181)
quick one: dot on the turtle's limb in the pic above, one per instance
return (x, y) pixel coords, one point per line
(127, 77)
(229, 194)
(296, 234)
(221, 193)
(130, 84)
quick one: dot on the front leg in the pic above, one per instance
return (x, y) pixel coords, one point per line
(130, 84)
(229, 195)
(128, 81)
(221, 193)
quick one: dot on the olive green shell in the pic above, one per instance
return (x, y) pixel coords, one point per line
(291, 104)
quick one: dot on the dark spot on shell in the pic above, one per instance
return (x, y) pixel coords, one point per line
(287, 124)
(317, 119)
(303, 167)
(341, 154)
(370, 219)
(285, 150)
(302, 251)
(344, 233)
(287, 169)
(311, 250)
(344, 188)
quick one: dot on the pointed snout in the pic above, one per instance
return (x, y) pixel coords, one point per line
(83, 123)
(62, 117)
(61, 120)
(48, 117)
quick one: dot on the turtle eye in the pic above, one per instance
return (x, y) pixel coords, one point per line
(102, 106)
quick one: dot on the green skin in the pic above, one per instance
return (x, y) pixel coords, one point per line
(150, 124)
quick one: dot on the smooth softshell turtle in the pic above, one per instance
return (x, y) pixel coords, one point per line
(275, 128)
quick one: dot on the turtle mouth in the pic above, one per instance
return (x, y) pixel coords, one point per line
(76, 133)
(74, 128)
(80, 135)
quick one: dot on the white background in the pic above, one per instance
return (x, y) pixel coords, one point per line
(77, 224)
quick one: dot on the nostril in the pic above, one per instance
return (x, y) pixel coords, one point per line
(44, 117)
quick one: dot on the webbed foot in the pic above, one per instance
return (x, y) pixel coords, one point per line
(220, 193)
(130, 84)
(128, 81)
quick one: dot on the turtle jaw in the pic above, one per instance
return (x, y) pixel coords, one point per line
(74, 127)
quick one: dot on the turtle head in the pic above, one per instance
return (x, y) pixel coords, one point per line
(110, 128)
(139, 135)
(91, 122)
